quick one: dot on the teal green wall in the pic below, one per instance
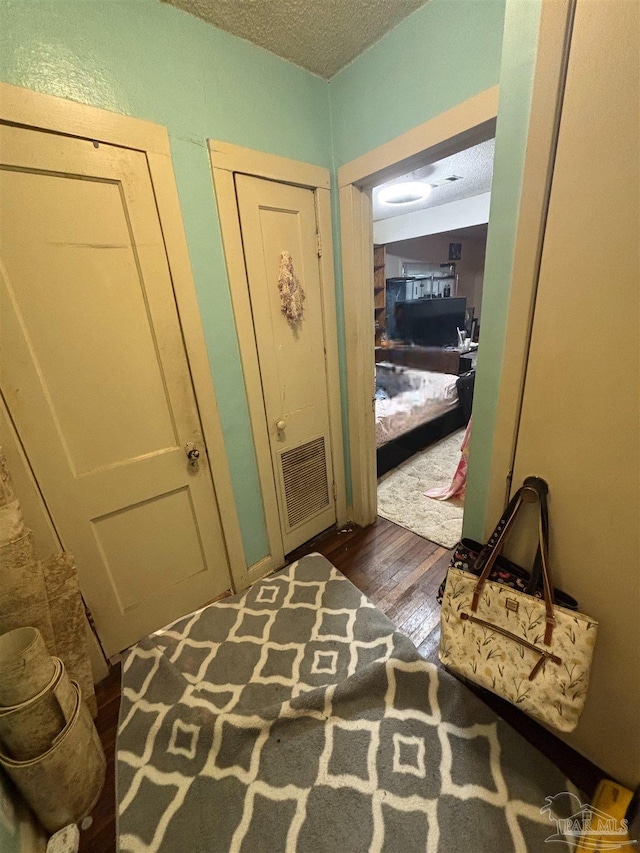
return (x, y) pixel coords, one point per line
(444, 53)
(522, 20)
(146, 59)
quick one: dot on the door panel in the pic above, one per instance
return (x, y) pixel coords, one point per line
(108, 431)
(96, 380)
(155, 556)
(278, 218)
(580, 416)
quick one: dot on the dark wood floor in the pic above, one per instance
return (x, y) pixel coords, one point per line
(400, 572)
(100, 837)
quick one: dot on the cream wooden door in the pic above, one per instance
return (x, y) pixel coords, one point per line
(581, 416)
(277, 218)
(97, 382)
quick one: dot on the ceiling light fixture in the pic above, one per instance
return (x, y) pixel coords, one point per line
(406, 192)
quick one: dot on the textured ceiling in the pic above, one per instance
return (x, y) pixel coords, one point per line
(320, 35)
(473, 165)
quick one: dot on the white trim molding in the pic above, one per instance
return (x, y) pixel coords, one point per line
(551, 60)
(469, 123)
(227, 160)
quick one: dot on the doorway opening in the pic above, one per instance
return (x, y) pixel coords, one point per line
(431, 313)
(429, 251)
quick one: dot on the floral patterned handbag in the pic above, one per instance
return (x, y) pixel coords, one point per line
(528, 650)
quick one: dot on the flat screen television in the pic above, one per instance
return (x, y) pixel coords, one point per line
(431, 322)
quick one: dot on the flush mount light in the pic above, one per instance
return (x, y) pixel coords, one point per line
(405, 193)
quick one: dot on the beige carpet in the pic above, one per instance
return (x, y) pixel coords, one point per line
(401, 496)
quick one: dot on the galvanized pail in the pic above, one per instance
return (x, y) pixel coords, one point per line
(63, 785)
(30, 728)
(26, 667)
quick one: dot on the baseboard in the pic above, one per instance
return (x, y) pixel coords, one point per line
(258, 570)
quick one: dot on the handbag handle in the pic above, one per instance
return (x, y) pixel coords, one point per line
(539, 489)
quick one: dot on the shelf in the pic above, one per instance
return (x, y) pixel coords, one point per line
(379, 292)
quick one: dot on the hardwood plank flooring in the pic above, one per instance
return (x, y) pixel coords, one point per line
(400, 572)
(100, 837)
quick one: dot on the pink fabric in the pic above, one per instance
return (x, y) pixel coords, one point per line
(457, 486)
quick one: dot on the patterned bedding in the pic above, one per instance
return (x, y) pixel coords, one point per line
(407, 398)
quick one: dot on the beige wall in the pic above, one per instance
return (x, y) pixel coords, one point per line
(435, 249)
(580, 423)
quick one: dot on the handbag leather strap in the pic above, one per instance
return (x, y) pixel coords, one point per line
(540, 489)
(535, 576)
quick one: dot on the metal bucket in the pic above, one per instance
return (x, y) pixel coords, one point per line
(63, 785)
(30, 728)
(26, 667)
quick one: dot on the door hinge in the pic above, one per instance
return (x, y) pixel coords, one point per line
(335, 492)
(319, 241)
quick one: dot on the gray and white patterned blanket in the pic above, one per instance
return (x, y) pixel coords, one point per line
(295, 717)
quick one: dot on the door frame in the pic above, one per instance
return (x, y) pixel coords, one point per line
(469, 123)
(226, 160)
(552, 56)
(34, 110)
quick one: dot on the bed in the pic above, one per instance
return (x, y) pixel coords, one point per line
(413, 408)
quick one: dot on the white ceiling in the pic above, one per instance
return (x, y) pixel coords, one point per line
(320, 35)
(411, 248)
(473, 165)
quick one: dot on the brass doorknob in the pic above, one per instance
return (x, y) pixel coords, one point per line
(193, 454)
(281, 425)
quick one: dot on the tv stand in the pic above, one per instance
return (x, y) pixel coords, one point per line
(437, 359)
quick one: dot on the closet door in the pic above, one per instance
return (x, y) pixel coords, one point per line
(580, 423)
(97, 383)
(277, 218)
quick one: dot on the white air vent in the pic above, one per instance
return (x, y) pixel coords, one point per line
(448, 180)
(304, 474)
